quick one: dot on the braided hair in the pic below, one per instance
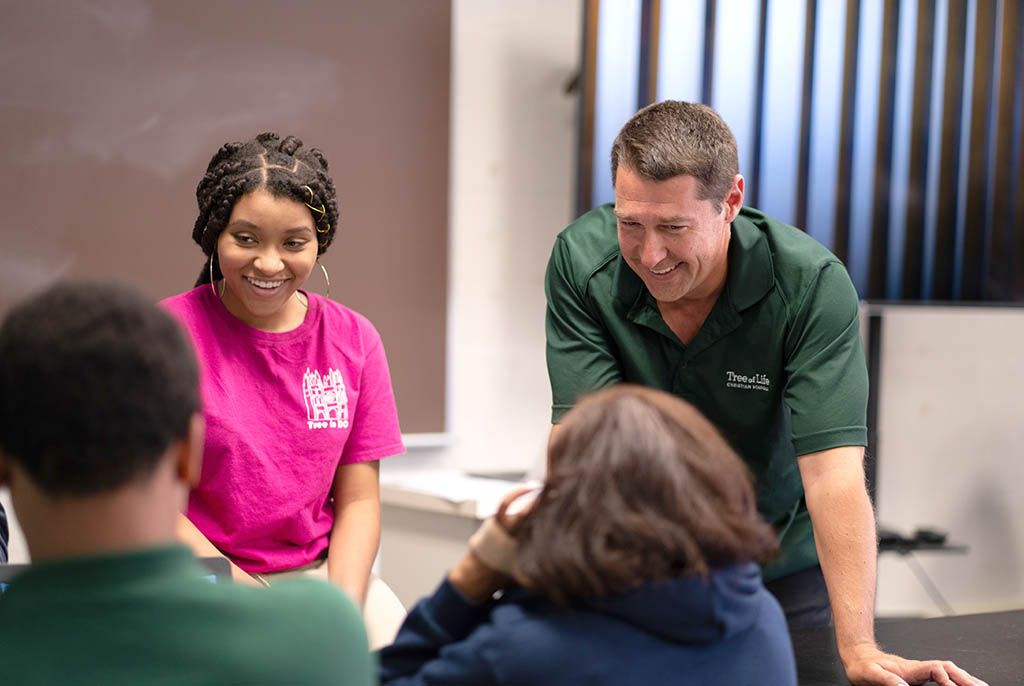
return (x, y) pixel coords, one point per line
(283, 167)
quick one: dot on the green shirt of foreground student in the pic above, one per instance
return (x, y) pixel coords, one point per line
(99, 445)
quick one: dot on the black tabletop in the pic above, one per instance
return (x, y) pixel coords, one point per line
(990, 646)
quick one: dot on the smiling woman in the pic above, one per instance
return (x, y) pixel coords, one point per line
(297, 395)
(266, 252)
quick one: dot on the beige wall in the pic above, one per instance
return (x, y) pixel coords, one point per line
(511, 188)
(951, 454)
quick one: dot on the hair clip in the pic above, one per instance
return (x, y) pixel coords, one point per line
(322, 210)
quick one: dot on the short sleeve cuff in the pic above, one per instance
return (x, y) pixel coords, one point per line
(833, 438)
(558, 412)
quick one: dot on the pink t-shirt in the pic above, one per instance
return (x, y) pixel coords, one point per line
(283, 411)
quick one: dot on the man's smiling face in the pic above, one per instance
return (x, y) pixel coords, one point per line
(676, 243)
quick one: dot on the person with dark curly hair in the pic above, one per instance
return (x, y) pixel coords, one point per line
(635, 565)
(101, 435)
(296, 390)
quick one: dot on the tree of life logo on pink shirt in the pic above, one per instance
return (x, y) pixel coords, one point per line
(326, 399)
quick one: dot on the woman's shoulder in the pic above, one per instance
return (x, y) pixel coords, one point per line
(340, 318)
(189, 307)
(184, 303)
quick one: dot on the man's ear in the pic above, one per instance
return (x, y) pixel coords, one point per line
(190, 452)
(734, 200)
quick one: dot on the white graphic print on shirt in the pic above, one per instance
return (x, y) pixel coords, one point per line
(326, 399)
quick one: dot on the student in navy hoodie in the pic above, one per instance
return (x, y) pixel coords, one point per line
(636, 564)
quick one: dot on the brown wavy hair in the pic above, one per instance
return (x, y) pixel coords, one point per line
(640, 488)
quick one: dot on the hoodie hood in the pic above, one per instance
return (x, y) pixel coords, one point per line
(692, 609)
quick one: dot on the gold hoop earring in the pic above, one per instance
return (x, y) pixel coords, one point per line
(213, 284)
(326, 278)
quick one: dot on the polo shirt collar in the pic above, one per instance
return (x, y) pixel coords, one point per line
(629, 289)
(751, 271)
(626, 285)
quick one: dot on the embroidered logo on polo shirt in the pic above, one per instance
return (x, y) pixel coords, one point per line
(326, 399)
(748, 382)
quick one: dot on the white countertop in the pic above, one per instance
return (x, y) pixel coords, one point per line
(446, 491)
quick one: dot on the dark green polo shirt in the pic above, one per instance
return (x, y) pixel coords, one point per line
(150, 617)
(778, 365)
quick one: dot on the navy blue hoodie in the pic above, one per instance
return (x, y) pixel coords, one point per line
(724, 630)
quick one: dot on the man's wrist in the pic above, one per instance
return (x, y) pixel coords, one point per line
(854, 651)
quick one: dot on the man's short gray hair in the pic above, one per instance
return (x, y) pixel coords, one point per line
(671, 138)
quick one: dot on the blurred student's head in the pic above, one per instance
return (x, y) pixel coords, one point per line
(96, 383)
(641, 488)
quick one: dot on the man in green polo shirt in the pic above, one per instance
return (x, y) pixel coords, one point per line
(679, 287)
(100, 438)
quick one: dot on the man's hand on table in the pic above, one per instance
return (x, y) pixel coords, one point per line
(869, 666)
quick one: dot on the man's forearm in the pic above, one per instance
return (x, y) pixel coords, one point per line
(844, 532)
(848, 556)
